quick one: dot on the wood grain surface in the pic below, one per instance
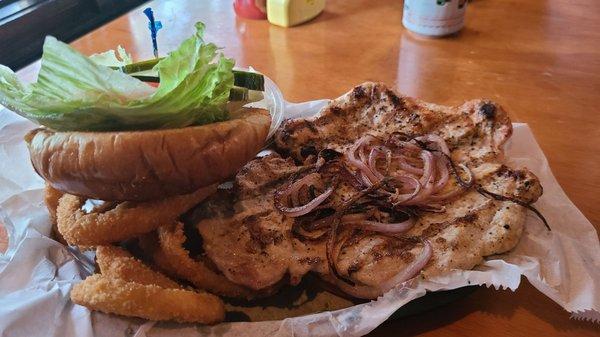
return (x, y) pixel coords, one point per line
(539, 59)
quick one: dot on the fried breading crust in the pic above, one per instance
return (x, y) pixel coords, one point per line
(127, 220)
(51, 198)
(174, 258)
(152, 302)
(118, 263)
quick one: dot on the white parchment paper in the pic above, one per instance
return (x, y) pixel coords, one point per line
(37, 273)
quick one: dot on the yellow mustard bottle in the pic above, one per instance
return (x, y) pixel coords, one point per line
(288, 13)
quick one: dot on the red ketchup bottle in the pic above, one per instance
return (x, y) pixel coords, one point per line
(251, 9)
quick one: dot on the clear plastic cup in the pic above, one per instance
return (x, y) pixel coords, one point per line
(276, 104)
(272, 101)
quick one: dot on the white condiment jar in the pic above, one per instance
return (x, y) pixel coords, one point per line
(434, 17)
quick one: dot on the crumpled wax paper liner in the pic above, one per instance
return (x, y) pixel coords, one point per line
(37, 273)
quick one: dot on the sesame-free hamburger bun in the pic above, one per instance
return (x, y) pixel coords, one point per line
(146, 165)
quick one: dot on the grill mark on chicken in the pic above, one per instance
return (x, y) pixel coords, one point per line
(465, 220)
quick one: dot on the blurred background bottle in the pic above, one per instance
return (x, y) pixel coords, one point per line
(287, 13)
(251, 9)
(434, 17)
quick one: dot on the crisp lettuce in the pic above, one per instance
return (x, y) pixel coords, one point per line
(111, 58)
(74, 92)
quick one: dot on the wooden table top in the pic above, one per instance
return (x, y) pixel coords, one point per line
(539, 59)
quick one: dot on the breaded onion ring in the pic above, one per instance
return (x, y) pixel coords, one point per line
(174, 258)
(115, 296)
(115, 262)
(51, 198)
(125, 221)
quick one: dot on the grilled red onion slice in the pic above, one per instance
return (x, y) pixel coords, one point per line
(305, 209)
(442, 173)
(427, 180)
(429, 163)
(307, 180)
(359, 163)
(405, 146)
(428, 167)
(375, 226)
(375, 153)
(406, 166)
(291, 192)
(424, 194)
(458, 190)
(371, 292)
(399, 199)
(408, 182)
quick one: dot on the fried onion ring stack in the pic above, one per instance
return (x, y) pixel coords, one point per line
(125, 283)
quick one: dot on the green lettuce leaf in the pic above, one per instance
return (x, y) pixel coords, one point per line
(74, 93)
(111, 58)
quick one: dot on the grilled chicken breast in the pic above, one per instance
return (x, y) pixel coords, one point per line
(255, 244)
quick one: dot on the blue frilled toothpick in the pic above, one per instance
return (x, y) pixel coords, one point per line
(154, 27)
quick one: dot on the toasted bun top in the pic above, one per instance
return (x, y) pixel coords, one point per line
(145, 165)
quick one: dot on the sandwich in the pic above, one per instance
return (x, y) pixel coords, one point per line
(374, 192)
(127, 147)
